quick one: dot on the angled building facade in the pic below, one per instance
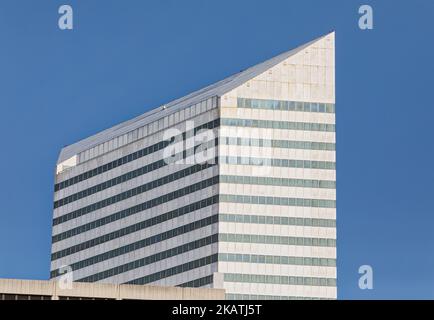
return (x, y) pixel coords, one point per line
(232, 186)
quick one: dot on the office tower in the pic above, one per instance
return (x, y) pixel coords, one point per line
(232, 186)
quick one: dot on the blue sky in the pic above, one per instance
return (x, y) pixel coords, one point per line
(125, 57)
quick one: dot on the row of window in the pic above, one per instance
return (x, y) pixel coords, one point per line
(197, 282)
(151, 259)
(192, 188)
(271, 143)
(300, 261)
(131, 157)
(175, 270)
(136, 245)
(281, 182)
(131, 211)
(285, 105)
(147, 130)
(288, 280)
(223, 178)
(140, 244)
(222, 217)
(285, 163)
(243, 238)
(278, 201)
(230, 257)
(140, 225)
(274, 124)
(239, 296)
(306, 164)
(133, 192)
(134, 174)
(275, 220)
(268, 200)
(12, 296)
(302, 183)
(281, 240)
(210, 125)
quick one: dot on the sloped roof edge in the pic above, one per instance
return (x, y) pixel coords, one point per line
(216, 89)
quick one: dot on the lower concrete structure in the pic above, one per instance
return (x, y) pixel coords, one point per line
(13, 289)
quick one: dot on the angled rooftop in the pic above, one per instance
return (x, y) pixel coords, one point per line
(214, 90)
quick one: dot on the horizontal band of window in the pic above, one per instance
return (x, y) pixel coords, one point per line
(282, 280)
(151, 259)
(227, 257)
(171, 215)
(272, 143)
(274, 124)
(280, 240)
(130, 157)
(138, 226)
(268, 259)
(138, 172)
(132, 193)
(140, 244)
(175, 270)
(281, 182)
(240, 296)
(181, 174)
(285, 105)
(276, 220)
(210, 125)
(115, 234)
(197, 282)
(193, 226)
(278, 201)
(272, 162)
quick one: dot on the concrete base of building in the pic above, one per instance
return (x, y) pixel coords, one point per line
(15, 289)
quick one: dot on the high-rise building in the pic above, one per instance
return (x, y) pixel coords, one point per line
(232, 186)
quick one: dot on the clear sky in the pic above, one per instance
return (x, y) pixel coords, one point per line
(125, 57)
